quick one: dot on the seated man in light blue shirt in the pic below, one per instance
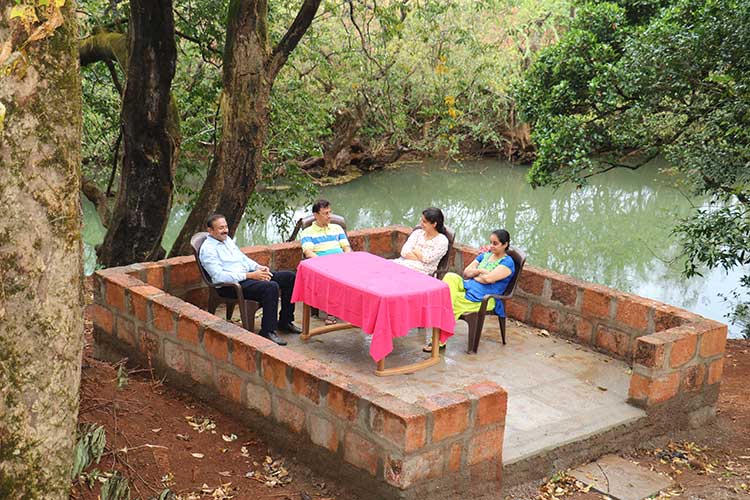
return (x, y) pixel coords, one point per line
(225, 262)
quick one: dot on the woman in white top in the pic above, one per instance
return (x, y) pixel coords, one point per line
(425, 247)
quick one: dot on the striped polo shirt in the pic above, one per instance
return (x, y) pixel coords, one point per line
(324, 240)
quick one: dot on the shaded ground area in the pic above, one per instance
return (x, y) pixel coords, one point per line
(158, 437)
(154, 437)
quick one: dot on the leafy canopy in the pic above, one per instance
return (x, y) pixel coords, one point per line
(631, 80)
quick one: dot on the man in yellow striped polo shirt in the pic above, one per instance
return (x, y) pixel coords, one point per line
(322, 237)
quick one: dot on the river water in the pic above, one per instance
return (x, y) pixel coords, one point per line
(615, 231)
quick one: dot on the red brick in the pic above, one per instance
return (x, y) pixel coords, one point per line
(306, 379)
(101, 317)
(198, 297)
(584, 331)
(261, 255)
(342, 401)
(666, 317)
(492, 403)
(714, 341)
(486, 445)
(531, 282)
(215, 344)
(226, 328)
(244, 349)
(468, 255)
(258, 398)
(517, 308)
(290, 414)
(544, 317)
(139, 300)
(655, 390)
(613, 341)
(201, 369)
(454, 460)
(229, 385)
(632, 313)
(274, 363)
(566, 324)
(126, 331)
(596, 302)
(286, 256)
(399, 422)
(715, 371)
(357, 242)
(175, 356)
(639, 387)
(164, 310)
(149, 343)
(361, 453)
(184, 274)
(450, 412)
(323, 433)
(650, 351)
(405, 472)
(683, 347)
(379, 242)
(114, 294)
(153, 274)
(564, 292)
(187, 330)
(692, 378)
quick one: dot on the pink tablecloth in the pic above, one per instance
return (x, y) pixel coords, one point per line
(382, 298)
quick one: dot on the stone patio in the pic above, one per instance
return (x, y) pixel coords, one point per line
(558, 392)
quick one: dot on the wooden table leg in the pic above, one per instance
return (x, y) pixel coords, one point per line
(305, 322)
(382, 371)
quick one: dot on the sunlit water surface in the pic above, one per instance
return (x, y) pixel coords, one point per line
(615, 231)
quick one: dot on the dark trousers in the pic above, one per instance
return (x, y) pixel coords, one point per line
(268, 293)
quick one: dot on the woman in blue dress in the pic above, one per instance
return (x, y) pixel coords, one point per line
(488, 274)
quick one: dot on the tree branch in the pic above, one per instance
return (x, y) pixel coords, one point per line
(98, 198)
(293, 35)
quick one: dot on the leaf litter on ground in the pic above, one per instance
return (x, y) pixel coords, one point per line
(273, 473)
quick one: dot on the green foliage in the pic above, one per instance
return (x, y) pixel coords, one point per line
(116, 487)
(428, 76)
(89, 448)
(631, 80)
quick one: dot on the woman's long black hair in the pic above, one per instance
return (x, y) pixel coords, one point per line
(435, 216)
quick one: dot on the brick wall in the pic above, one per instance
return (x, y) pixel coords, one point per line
(391, 449)
(676, 355)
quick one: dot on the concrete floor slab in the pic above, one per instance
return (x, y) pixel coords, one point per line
(558, 391)
(621, 479)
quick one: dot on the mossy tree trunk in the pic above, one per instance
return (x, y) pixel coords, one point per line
(41, 293)
(147, 177)
(250, 68)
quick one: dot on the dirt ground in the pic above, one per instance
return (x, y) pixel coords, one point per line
(159, 438)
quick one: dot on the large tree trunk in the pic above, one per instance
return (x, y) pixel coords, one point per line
(147, 177)
(41, 292)
(250, 68)
(336, 152)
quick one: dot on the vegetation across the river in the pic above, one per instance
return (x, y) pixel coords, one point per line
(633, 80)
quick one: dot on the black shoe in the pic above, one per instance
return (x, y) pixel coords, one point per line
(273, 338)
(290, 328)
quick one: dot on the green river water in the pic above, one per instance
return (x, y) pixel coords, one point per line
(615, 231)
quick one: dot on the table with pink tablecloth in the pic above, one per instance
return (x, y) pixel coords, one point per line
(381, 297)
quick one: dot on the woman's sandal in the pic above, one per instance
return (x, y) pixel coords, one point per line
(331, 320)
(428, 347)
